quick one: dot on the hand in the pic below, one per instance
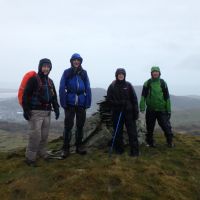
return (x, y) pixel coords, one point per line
(136, 116)
(27, 115)
(57, 114)
(169, 115)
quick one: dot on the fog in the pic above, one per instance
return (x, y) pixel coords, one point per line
(108, 34)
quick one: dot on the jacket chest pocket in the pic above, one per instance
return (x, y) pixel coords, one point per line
(125, 93)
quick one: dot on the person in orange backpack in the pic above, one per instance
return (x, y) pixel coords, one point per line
(38, 99)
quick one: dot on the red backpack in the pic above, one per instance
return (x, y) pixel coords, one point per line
(22, 86)
(24, 81)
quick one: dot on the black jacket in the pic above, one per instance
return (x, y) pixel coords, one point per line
(40, 94)
(121, 96)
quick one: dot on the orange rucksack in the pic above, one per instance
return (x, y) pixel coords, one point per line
(22, 86)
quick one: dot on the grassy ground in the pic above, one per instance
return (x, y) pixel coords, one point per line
(10, 141)
(159, 173)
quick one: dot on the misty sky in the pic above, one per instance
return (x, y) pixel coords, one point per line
(108, 34)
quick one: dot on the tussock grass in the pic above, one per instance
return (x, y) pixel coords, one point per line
(159, 173)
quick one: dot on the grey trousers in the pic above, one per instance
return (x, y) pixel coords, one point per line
(39, 125)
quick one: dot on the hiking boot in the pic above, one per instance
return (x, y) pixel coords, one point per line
(152, 145)
(30, 163)
(81, 150)
(47, 158)
(170, 145)
(65, 153)
(150, 142)
(134, 153)
(119, 151)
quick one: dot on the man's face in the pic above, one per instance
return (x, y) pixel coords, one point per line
(120, 77)
(155, 74)
(46, 68)
(76, 63)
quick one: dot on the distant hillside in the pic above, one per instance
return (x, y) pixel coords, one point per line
(97, 95)
(178, 102)
(11, 110)
(7, 90)
(158, 174)
(182, 106)
(194, 96)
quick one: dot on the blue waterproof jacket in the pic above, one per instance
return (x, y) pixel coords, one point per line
(75, 88)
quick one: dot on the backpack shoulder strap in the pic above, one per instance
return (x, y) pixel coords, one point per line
(50, 82)
(39, 82)
(164, 89)
(149, 84)
(147, 90)
(162, 84)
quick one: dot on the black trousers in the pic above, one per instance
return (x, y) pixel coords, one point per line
(130, 123)
(70, 113)
(163, 119)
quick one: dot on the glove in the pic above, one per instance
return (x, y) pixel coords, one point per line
(87, 107)
(57, 114)
(27, 115)
(136, 116)
(169, 115)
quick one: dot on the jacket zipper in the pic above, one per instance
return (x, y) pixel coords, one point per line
(47, 91)
(76, 99)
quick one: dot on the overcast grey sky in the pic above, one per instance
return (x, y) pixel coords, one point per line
(134, 34)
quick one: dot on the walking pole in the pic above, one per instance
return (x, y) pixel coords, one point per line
(114, 136)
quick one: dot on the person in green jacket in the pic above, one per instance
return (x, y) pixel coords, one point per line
(155, 100)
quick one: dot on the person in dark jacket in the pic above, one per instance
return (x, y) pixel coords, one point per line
(156, 100)
(38, 99)
(122, 98)
(75, 98)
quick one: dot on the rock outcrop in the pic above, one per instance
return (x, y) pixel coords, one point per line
(98, 128)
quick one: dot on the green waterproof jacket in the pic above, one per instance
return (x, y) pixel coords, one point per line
(155, 96)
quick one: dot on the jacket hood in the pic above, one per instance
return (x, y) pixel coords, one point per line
(120, 71)
(42, 62)
(155, 68)
(76, 56)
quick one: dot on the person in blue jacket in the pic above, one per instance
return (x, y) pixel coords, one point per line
(75, 98)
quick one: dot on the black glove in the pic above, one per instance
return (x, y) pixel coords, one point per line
(27, 115)
(135, 116)
(57, 114)
(169, 115)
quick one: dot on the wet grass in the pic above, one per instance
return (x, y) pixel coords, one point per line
(159, 173)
